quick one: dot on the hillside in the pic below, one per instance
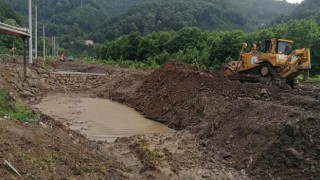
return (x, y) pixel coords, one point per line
(8, 16)
(261, 12)
(308, 9)
(115, 18)
(70, 20)
(174, 15)
(205, 14)
(6, 12)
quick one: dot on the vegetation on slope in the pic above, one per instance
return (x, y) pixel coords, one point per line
(308, 9)
(174, 15)
(72, 22)
(206, 49)
(8, 16)
(15, 109)
(7, 13)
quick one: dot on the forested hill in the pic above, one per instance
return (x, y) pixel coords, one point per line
(205, 14)
(173, 15)
(79, 17)
(7, 13)
(73, 21)
(308, 9)
(261, 12)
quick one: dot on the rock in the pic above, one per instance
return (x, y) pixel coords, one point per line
(89, 87)
(43, 80)
(289, 129)
(43, 124)
(31, 83)
(45, 76)
(257, 97)
(225, 155)
(42, 71)
(229, 175)
(243, 172)
(27, 94)
(293, 153)
(32, 99)
(205, 174)
(11, 95)
(14, 74)
(209, 165)
(264, 93)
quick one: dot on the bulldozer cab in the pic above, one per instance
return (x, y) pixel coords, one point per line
(277, 46)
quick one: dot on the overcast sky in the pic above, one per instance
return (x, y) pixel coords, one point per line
(294, 1)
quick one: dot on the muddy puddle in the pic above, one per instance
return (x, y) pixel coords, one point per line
(98, 119)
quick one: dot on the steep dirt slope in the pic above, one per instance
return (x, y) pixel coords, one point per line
(48, 150)
(262, 129)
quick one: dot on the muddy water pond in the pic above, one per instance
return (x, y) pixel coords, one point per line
(98, 119)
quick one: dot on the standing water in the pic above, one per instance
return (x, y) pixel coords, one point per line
(98, 119)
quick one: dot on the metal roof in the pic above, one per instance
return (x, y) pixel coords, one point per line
(13, 31)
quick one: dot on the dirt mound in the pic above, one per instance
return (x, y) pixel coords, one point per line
(177, 86)
(49, 151)
(257, 128)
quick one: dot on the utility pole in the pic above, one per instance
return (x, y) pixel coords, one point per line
(30, 31)
(13, 48)
(44, 41)
(57, 48)
(52, 46)
(36, 33)
(81, 2)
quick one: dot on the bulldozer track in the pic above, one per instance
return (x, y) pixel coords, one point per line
(254, 75)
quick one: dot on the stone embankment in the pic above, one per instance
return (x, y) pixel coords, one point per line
(39, 81)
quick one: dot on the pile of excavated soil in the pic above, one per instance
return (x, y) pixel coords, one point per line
(47, 150)
(264, 130)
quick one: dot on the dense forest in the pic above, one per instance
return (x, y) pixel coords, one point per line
(6, 12)
(205, 14)
(8, 16)
(308, 9)
(174, 15)
(73, 21)
(207, 49)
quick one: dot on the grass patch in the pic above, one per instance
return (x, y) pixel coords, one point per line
(311, 80)
(148, 156)
(10, 109)
(314, 79)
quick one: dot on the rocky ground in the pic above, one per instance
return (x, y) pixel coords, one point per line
(226, 129)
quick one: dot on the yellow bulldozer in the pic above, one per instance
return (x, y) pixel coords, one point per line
(275, 62)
